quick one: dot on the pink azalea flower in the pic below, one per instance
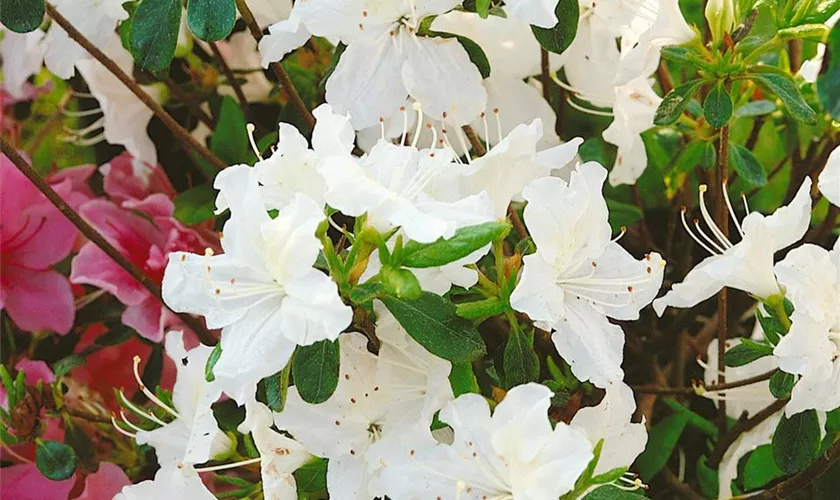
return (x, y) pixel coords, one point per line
(25, 482)
(146, 242)
(129, 179)
(104, 483)
(34, 236)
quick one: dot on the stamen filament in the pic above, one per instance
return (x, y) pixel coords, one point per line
(706, 237)
(716, 232)
(731, 210)
(120, 429)
(228, 466)
(149, 394)
(693, 237)
(250, 127)
(131, 406)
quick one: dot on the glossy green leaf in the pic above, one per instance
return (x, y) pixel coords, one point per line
(796, 442)
(55, 460)
(443, 251)
(828, 81)
(154, 33)
(276, 387)
(611, 492)
(771, 326)
(674, 103)
(784, 88)
(481, 309)
(521, 364)
(821, 11)
(22, 16)
(211, 20)
(755, 108)
(717, 108)
(746, 352)
(746, 165)
(462, 379)
(196, 204)
(760, 468)
(558, 38)
(708, 479)
(311, 477)
(781, 384)
(230, 138)
(215, 354)
(432, 321)
(400, 283)
(662, 439)
(365, 292)
(315, 370)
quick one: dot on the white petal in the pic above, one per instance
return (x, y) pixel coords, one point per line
(537, 12)
(788, 224)
(829, 180)
(366, 82)
(697, 286)
(537, 293)
(438, 73)
(283, 37)
(313, 310)
(23, 56)
(170, 481)
(333, 134)
(593, 346)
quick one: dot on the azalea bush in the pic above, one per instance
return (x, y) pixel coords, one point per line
(420, 249)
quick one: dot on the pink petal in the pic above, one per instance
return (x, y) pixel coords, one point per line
(35, 371)
(25, 482)
(122, 182)
(131, 234)
(78, 176)
(147, 317)
(104, 483)
(38, 300)
(92, 266)
(154, 205)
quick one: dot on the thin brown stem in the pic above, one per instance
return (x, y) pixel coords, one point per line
(90, 417)
(474, 141)
(231, 78)
(723, 223)
(663, 76)
(545, 75)
(180, 132)
(741, 426)
(276, 67)
(96, 238)
(652, 389)
(518, 226)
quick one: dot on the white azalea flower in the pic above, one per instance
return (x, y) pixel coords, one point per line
(193, 437)
(634, 108)
(537, 12)
(829, 180)
(240, 54)
(385, 60)
(514, 453)
(746, 265)
(640, 55)
(170, 481)
(280, 456)
(513, 163)
(23, 55)
(378, 400)
(751, 399)
(293, 168)
(95, 19)
(263, 290)
(579, 276)
(267, 12)
(393, 186)
(125, 116)
(811, 278)
(610, 421)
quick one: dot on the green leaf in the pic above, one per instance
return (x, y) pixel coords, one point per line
(662, 439)
(772, 327)
(822, 11)
(622, 214)
(747, 165)
(311, 477)
(796, 442)
(717, 108)
(211, 20)
(481, 309)
(365, 292)
(755, 108)
(154, 33)
(431, 321)
(400, 283)
(827, 485)
(230, 139)
(709, 157)
(66, 364)
(674, 103)
(708, 479)
(443, 251)
(462, 379)
(746, 352)
(813, 32)
(78, 439)
(276, 387)
(22, 16)
(215, 354)
(609, 476)
(760, 468)
(196, 204)
(315, 370)
(784, 88)
(55, 460)
(521, 364)
(610, 492)
(228, 414)
(781, 384)
(828, 81)
(483, 8)
(124, 28)
(474, 50)
(680, 55)
(558, 38)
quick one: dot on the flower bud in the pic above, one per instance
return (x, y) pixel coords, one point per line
(720, 14)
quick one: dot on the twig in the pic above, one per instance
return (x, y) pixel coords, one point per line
(652, 389)
(476, 144)
(234, 83)
(86, 416)
(180, 132)
(723, 222)
(96, 238)
(517, 223)
(664, 78)
(545, 75)
(741, 426)
(679, 487)
(798, 482)
(276, 67)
